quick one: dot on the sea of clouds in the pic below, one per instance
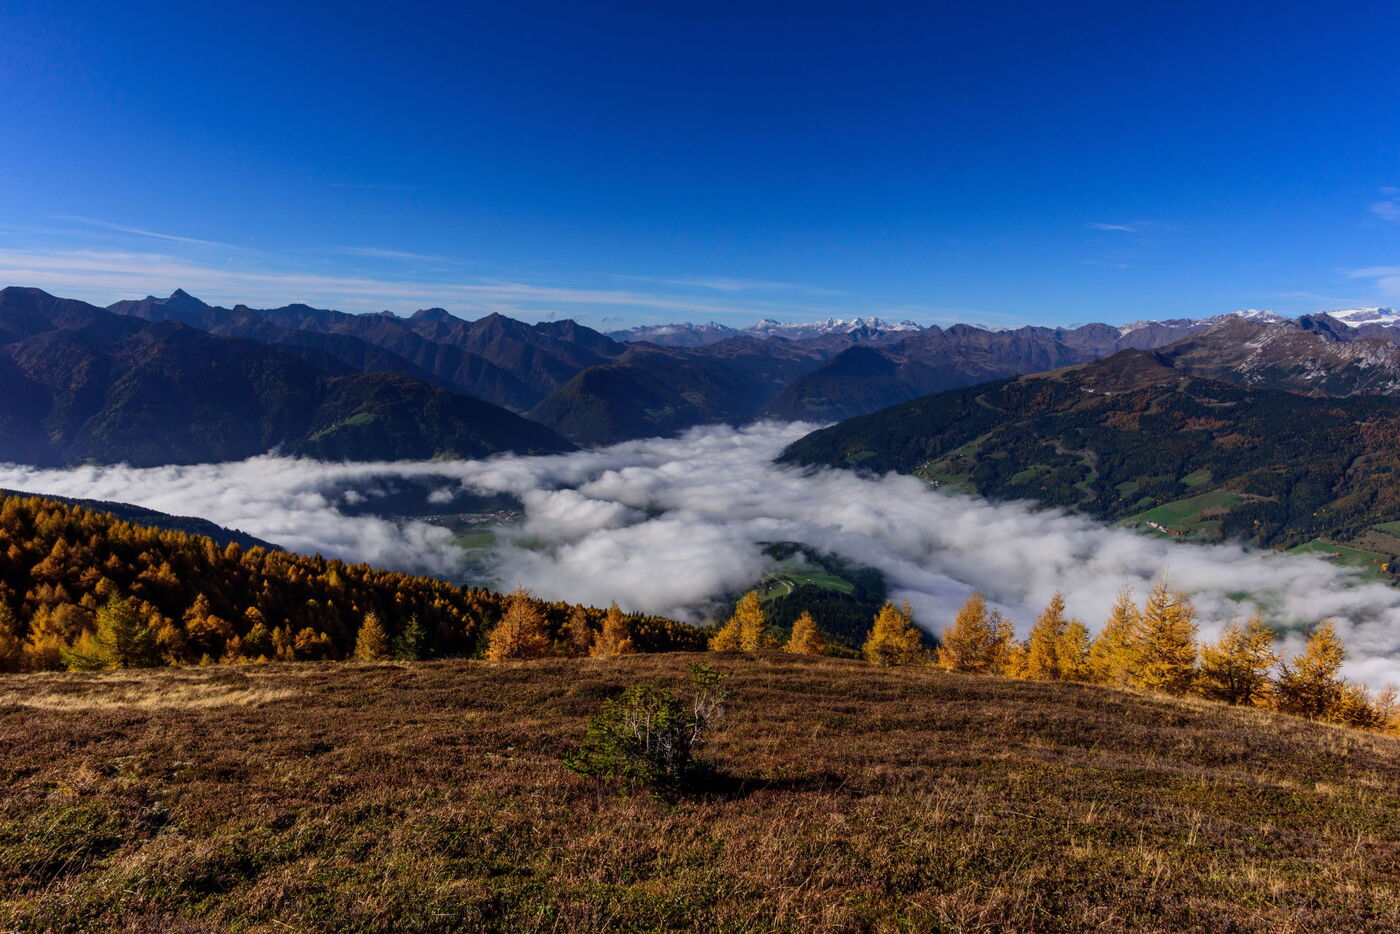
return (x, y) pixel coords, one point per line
(672, 525)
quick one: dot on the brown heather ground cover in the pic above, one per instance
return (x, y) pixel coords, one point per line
(430, 797)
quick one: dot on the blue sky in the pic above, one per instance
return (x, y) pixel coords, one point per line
(626, 163)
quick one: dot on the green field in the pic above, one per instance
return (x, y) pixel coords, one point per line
(1389, 528)
(1183, 517)
(1369, 562)
(475, 540)
(782, 581)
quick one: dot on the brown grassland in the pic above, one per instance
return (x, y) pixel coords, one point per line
(428, 797)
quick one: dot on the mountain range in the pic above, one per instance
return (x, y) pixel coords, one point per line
(1276, 432)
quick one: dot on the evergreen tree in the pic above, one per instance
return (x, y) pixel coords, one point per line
(371, 642)
(1165, 649)
(1311, 684)
(521, 633)
(411, 644)
(122, 640)
(1112, 653)
(614, 638)
(893, 640)
(1236, 668)
(805, 638)
(578, 635)
(1042, 661)
(977, 640)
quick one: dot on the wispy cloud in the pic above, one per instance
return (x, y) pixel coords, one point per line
(724, 284)
(1388, 208)
(1122, 228)
(138, 231)
(1384, 278)
(374, 252)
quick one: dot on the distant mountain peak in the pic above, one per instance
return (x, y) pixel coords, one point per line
(1357, 316)
(434, 314)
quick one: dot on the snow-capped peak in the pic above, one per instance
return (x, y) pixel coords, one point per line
(770, 328)
(1357, 316)
(1256, 314)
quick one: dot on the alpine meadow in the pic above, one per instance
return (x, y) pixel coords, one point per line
(619, 467)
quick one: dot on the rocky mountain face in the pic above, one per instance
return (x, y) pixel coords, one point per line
(81, 384)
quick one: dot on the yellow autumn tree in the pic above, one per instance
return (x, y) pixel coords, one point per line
(372, 642)
(1042, 661)
(1165, 648)
(1310, 685)
(614, 638)
(747, 630)
(977, 641)
(578, 635)
(521, 633)
(1235, 669)
(11, 646)
(1112, 653)
(1074, 652)
(893, 640)
(806, 638)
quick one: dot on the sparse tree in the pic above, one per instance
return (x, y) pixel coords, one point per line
(1236, 668)
(371, 642)
(893, 640)
(806, 638)
(1112, 654)
(614, 638)
(1165, 649)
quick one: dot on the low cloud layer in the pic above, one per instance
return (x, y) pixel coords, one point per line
(671, 525)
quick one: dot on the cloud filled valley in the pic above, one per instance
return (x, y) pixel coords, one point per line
(674, 525)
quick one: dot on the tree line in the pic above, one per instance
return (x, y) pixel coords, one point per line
(82, 589)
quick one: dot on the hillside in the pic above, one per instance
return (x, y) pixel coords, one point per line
(79, 384)
(430, 797)
(1129, 434)
(203, 602)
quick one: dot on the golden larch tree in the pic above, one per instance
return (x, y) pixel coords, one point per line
(806, 638)
(1236, 668)
(1074, 652)
(977, 640)
(615, 638)
(1310, 684)
(11, 646)
(521, 633)
(1165, 649)
(893, 640)
(1112, 653)
(747, 630)
(372, 642)
(1042, 661)
(578, 635)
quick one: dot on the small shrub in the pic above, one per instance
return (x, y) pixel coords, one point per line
(649, 740)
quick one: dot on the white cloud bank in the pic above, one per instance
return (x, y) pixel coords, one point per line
(669, 525)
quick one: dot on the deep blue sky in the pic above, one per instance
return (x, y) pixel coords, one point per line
(653, 161)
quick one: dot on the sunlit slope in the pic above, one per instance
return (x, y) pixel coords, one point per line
(430, 797)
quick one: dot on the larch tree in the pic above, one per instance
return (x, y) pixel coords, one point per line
(614, 638)
(754, 632)
(893, 640)
(1165, 648)
(976, 641)
(1236, 668)
(578, 635)
(122, 640)
(1074, 652)
(728, 638)
(1310, 685)
(805, 638)
(1042, 661)
(11, 645)
(1112, 653)
(521, 633)
(371, 642)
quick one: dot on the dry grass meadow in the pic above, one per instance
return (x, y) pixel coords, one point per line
(430, 797)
